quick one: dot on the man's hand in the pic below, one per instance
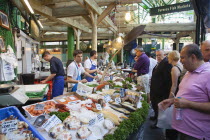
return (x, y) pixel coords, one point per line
(99, 72)
(43, 81)
(83, 81)
(95, 77)
(181, 103)
(165, 104)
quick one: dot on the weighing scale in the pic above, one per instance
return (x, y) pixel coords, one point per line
(11, 95)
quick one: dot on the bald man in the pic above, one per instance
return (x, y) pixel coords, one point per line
(205, 50)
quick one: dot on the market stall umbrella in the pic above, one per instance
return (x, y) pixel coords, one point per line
(134, 33)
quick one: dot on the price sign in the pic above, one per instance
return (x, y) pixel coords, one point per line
(118, 100)
(98, 107)
(78, 91)
(84, 92)
(106, 86)
(39, 107)
(107, 98)
(100, 117)
(106, 78)
(9, 126)
(52, 121)
(72, 103)
(92, 122)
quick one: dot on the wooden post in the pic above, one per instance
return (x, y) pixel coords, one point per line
(78, 34)
(176, 40)
(93, 17)
(70, 45)
(192, 35)
(122, 51)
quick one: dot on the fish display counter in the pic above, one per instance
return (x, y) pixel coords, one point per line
(109, 110)
(94, 111)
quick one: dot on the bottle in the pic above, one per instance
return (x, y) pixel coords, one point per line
(179, 112)
(125, 64)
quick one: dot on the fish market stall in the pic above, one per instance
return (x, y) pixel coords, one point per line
(112, 109)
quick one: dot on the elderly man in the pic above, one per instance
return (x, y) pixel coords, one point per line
(142, 68)
(160, 83)
(205, 50)
(194, 97)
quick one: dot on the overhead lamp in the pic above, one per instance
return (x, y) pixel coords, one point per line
(110, 42)
(90, 46)
(119, 39)
(29, 6)
(40, 24)
(128, 14)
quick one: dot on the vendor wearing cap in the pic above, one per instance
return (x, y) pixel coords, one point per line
(142, 68)
(57, 74)
(90, 65)
(75, 69)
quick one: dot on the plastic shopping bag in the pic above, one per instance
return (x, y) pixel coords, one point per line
(165, 118)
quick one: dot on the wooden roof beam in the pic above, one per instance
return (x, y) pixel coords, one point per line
(106, 12)
(54, 29)
(47, 12)
(48, 2)
(94, 6)
(122, 2)
(63, 37)
(69, 11)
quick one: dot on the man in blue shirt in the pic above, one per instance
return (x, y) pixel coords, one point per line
(57, 74)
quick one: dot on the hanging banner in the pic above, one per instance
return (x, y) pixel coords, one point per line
(185, 6)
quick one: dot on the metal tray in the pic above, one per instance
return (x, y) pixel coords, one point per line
(6, 88)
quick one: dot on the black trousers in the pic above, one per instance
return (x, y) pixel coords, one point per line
(171, 134)
(155, 100)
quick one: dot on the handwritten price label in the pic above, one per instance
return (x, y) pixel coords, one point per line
(118, 100)
(9, 126)
(98, 107)
(92, 122)
(39, 107)
(107, 98)
(51, 122)
(106, 86)
(100, 117)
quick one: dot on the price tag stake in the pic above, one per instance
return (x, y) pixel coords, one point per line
(52, 121)
(107, 98)
(118, 100)
(98, 107)
(100, 117)
(92, 122)
(9, 126)
(39, 107)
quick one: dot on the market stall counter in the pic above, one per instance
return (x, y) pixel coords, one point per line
(89, 117)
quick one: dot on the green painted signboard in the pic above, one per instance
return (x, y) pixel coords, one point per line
(185, 6)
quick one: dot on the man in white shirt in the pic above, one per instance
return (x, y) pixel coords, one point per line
(90, 65)
(153, 63)
(75, 69)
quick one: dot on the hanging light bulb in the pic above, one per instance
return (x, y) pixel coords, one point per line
(128, 14)
(90, 46)
(119, 39)
(109, 43)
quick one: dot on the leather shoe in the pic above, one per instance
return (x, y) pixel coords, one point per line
(153, 126)
(152, 118)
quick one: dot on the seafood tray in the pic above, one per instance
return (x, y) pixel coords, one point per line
(12, 110)
(49, 107)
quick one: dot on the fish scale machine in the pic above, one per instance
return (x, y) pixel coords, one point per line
(11, 95)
